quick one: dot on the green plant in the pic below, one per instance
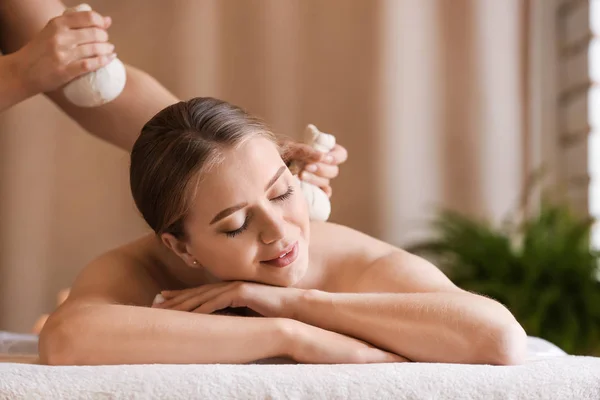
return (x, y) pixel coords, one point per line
(541, 267)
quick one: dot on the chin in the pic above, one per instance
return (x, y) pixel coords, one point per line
(295, 275)
(289, 275)
(298, 268)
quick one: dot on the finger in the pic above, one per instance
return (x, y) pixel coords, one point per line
(336, 156)
(215, 304)
(189, 304)
(171, 297)
(178, 292)
(167, 294)
(93, 50)
(87, 35)
(173, 301)
(323, 170)
(313, 179)
(300, 152)
(84, 19)
(177, 303)
(193, 300)
(86, 65)
(180, 298)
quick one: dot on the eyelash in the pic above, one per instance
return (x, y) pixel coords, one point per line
(286, 195)
(283, 197)
(241, 229)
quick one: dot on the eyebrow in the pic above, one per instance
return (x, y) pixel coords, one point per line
(275, 177)
(230, 210)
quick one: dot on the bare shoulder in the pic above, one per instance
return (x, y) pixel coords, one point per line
(129, 274)
(357, 262)
(344, 241)
(344, 253)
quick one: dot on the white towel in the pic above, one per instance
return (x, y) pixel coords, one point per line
(561, 377)
(548, 374)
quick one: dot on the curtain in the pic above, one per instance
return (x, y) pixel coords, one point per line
(428, 96)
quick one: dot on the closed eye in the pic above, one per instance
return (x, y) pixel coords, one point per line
(285, 196)
(240, 229)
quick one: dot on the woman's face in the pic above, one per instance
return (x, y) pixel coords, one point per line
(249, 220)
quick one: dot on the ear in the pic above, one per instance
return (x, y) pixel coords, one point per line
(180, 248)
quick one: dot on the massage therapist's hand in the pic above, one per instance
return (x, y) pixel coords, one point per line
(319, 168)
(268, 301)
(69, 45)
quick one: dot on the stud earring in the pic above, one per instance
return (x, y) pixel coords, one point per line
(195, 262)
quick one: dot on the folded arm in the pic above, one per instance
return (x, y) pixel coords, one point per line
(106, 320)
(382, 295)
(403, 303)
(409, 307)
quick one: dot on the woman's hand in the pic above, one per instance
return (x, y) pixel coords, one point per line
(268, 301)
(69, 45)
(305, 343)
(310, 344)
(319, 168)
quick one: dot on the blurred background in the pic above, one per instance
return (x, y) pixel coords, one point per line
(441, 104)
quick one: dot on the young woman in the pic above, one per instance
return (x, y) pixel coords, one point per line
(232, 232)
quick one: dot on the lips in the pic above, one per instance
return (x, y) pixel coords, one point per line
(285, 258)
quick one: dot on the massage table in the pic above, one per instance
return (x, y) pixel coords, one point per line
(548, 373)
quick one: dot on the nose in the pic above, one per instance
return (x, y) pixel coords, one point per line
(273, 229)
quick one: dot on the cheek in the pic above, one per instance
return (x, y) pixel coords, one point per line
(223, 256)
(298, 210)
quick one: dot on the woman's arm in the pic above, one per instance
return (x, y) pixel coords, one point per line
(106, 320)
(403, 303)
(431, 321)
(380, 294)
(443, 324)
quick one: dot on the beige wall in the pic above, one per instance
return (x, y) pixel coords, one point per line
(426, 96)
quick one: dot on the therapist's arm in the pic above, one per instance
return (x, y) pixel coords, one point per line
(118, 122)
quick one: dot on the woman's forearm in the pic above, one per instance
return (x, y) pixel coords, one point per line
(426, 327)
(12, 90)
(120, 121)
(117, 334)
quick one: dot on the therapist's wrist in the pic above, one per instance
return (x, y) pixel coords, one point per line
(14, 85)
(26, 83)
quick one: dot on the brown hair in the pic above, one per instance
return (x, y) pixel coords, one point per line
(176, 146)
